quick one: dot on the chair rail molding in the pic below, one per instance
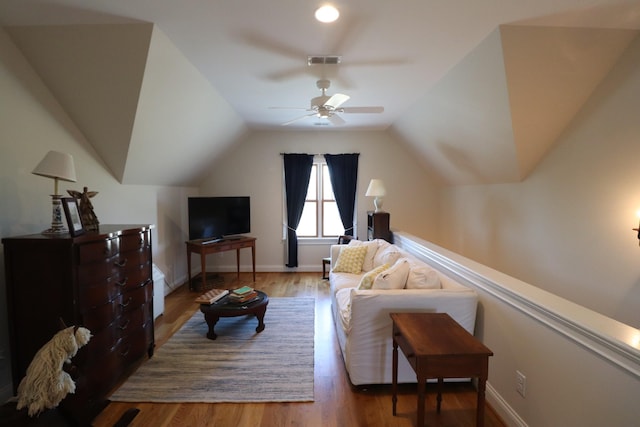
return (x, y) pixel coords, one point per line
(610, 339)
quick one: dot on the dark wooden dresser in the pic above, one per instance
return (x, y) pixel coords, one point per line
(100, 280)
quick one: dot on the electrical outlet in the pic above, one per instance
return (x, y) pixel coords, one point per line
(521, 383)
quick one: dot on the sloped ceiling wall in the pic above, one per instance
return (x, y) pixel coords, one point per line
(150, 115)
(95, 72)
(495, 115)
(551, 72)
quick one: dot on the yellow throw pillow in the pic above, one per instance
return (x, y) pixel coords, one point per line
(350, 259)
(367, 280)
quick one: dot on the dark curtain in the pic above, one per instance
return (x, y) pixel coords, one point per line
(343, 170)
(297, 171)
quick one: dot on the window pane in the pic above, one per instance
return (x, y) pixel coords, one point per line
(331, 223)
(309, 220)
(327, 189)
(313, 184)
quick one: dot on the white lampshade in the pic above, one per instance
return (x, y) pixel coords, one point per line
(58, 166)
(376, 189)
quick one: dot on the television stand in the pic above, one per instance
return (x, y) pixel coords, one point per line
(208, 242)
(204, 247)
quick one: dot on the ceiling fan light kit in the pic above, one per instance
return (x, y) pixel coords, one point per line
(327, 13)
(326, 107)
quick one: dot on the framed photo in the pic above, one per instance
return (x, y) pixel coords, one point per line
(74, 221)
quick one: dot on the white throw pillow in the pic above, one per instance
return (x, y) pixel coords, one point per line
(350, 259)
(394, 277)
(388, 255)
(372, 248)
(422, 276)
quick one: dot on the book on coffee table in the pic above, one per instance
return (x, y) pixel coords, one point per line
(211, 296)
(241, 299)
(245, 290)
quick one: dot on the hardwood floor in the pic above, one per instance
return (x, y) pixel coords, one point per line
(337, 403)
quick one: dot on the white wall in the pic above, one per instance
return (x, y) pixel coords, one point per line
(32, 123)
(254, 168)
(581, 368)
(567, 227)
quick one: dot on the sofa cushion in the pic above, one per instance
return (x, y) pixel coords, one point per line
(387, 255)
(367, 280)
(350, 259)
(422, 276)
(395, 277)
(372, 248)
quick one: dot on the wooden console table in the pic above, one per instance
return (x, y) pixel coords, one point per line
(436, 346)
(203, 248)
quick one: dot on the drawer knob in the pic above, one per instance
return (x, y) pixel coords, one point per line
(122, 283)
(125, 326)
(125, 304)
(121, 263)
(124, 353)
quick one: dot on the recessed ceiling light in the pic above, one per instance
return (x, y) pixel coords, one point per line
(327, 13)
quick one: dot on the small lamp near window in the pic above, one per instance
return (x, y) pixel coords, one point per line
(58, 166)
(376, 189)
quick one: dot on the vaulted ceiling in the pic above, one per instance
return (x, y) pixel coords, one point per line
(479, 91)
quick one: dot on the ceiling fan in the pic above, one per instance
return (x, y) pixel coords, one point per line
(326, 107)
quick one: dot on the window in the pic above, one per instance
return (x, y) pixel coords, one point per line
(320, 216)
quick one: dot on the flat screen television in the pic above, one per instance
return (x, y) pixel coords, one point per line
(218, 217)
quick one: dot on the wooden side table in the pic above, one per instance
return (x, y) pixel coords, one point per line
(203, 248)
(436, 346)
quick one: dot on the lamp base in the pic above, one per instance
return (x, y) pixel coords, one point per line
(57, 227)
(377, 202)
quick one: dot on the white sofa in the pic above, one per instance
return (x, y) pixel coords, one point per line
(362, 318)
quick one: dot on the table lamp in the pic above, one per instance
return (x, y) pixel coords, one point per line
(58, 166)
(376, 189)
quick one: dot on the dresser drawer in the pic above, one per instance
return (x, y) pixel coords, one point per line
(97, 250)
(131, 259)
(97, 318)
(134, 241)
(134, 298)
(97, 272)
(133, 347)
(129, 323)
(100, 293)
(135, 276)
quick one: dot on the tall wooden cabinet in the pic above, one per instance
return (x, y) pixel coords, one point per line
(100, 280)
(378, 226)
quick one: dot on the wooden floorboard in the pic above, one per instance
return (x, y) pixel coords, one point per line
(337, 403)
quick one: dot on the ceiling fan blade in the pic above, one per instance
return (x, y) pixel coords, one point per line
(297, 119)
(337, 100)
(289, 108)
(358, 110)
(336, 120)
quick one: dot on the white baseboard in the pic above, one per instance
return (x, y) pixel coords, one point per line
(502, 408)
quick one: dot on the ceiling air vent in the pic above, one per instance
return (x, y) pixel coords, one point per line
(320, 60)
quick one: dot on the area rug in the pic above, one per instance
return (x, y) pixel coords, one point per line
(275, 365)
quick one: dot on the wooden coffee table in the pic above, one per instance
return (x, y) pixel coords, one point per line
(436, 346)
(225, 308)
